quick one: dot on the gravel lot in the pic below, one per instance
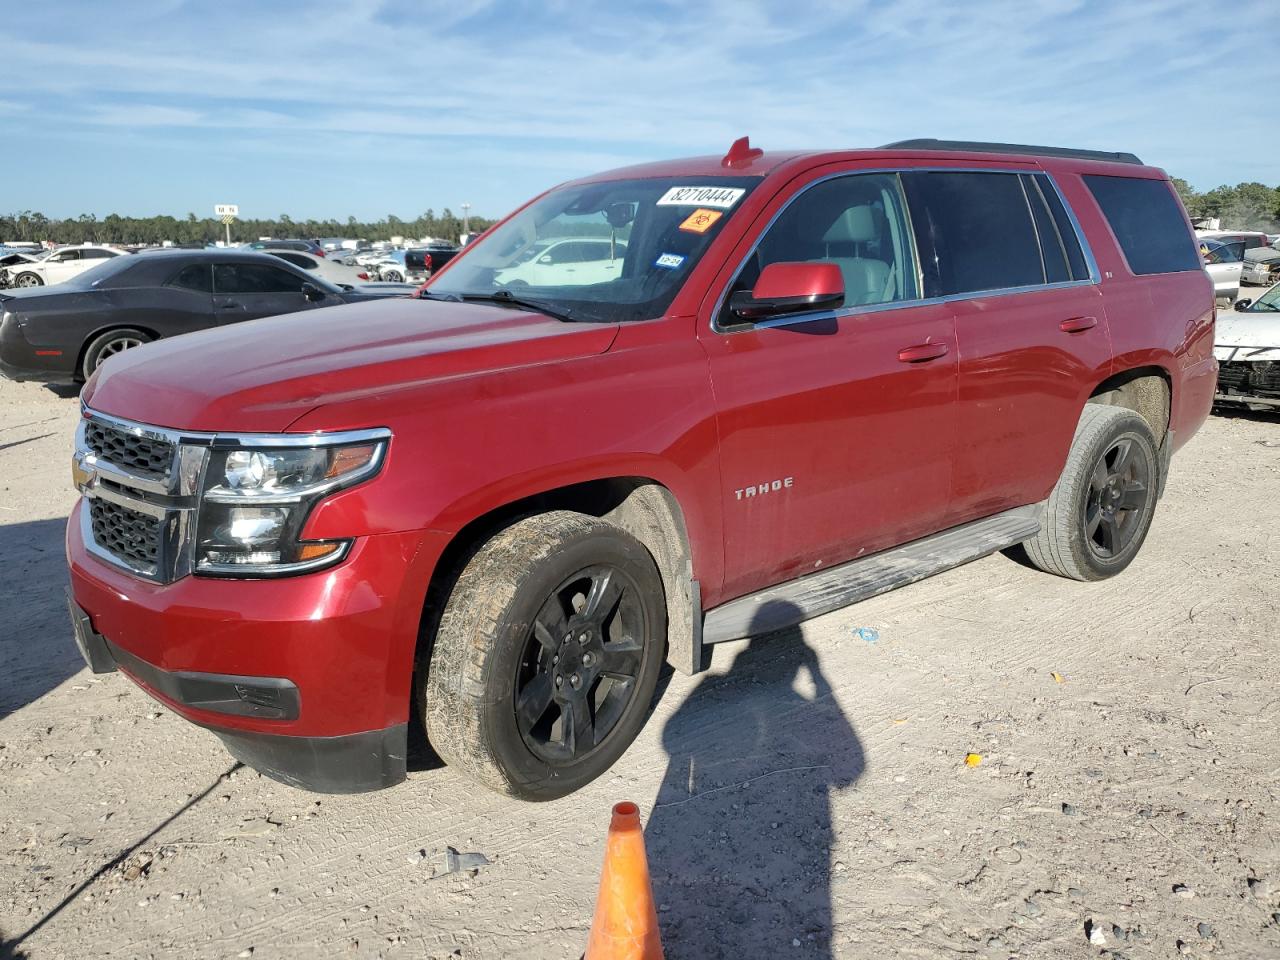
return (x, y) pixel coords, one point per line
(814, 801)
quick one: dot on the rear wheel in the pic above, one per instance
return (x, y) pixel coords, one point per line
(546, 656)
(106, 346)
(28, 280)
(1101, 508)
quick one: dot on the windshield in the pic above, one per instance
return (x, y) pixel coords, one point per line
(1268, 302)
(611, 251)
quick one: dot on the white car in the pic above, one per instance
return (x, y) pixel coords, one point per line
(1247, 348)
(571, 262)
(340, 274)
(1224, 266)
(327, 268)
(61, 265)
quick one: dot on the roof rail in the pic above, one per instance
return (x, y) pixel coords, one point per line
(974, 146)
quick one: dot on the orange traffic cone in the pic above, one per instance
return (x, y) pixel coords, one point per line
(626, 924)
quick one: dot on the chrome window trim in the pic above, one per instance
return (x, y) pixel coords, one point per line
(1094, 276)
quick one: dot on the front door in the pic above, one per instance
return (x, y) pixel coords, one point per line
(836, 429)
(246, 291)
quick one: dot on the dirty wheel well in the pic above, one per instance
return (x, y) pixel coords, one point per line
(1144, 390)
(644, 508)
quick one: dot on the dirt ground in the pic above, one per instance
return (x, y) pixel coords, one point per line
(809, 797)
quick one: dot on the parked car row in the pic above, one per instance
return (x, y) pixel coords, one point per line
(1233, 258)
(63, 333)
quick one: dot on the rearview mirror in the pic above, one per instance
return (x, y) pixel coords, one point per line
(786, 288)
(1244, 304)
(313, 293)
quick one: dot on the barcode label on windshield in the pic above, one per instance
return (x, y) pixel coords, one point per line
(722, 197)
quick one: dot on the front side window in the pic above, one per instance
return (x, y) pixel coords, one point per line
(975, 232)
(1215, 253)
(195, 277)
(629, 245)
(1148, 222)
(254, 278)
(858, 222)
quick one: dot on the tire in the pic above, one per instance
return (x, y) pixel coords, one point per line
(513, 624)
(28, 279)
(392, 276)
(1099, 512)
(109, 344)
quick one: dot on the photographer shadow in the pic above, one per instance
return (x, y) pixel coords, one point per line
(740, 837)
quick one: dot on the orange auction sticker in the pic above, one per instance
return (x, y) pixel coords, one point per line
(700, 221)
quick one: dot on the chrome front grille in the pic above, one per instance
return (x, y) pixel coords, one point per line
(145, 455)
(141, 487)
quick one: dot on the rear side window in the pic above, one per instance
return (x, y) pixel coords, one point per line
(975, 232)
(1148, 223)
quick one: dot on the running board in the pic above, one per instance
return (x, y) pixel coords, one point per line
(810, 596)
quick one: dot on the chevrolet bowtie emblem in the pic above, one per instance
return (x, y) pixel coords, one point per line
(82, 471)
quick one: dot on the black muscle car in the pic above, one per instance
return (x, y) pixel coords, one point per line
(61, 333)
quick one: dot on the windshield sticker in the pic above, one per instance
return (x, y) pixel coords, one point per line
(700, 221)
(669, 261)
(721, 197)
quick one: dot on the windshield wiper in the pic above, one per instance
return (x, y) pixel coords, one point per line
(506, 296)
(447, 297)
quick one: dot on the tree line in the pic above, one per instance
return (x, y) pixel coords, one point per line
(29, 225)
(1246, 206)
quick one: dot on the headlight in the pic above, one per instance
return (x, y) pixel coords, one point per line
(256, 500)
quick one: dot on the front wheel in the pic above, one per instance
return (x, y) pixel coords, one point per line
(392, 276)
(28, 280)
(1100, 510)
(546, 656)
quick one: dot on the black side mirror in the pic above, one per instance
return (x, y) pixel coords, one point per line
(313, 293)
(1245, 304)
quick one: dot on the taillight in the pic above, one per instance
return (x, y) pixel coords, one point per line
(319, 253)
(426, 261)
(362, 276)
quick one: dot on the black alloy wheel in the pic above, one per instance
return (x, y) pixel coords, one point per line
(579, 669)
(1117, 499)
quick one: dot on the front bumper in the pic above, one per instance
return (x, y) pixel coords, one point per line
(307, 679)
(1250, 382)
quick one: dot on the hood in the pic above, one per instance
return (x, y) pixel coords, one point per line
(1248, 329)
(264, 374)
(1262, 255)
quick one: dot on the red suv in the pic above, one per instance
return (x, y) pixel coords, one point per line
(495, 510)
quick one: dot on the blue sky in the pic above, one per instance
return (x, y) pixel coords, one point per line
(367, 108)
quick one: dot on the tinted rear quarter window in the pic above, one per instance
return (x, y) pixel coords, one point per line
(254, 278)
(1148, 223)
(974, 230)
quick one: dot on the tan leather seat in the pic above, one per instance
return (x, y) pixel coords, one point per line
(866, 279)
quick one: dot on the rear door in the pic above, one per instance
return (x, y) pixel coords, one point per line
(247, 291)
(836, 428)
(1030, 327)
(187, 299)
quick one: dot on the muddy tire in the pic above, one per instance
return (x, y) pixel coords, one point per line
(108, 345)
(1100, 510)
(546, 656)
